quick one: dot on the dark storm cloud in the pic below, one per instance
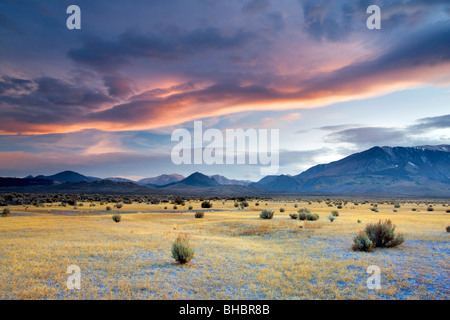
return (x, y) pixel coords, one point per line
(14, 84)
(48, 100)
(170, 43)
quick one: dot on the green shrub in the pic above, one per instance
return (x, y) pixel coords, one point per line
(108, 208)
(199, 214)
(175, 207)
(430, 208)
(117, 217)
(304, 210)
(312, 216)
(414, 209)
(257, 204)
(331, 218)
(190, 208)
(359, 221)
(302, 215)
(266, 214)
(236, 204)
(119, 205)
(382, 234)
(362, 243)
(397, 205)
(6, 212)
(244, 204)
(335, 213)
(206, 204)
(293, 215)
(181, 250)
(447, 229)
(448, 211)
(282, 210)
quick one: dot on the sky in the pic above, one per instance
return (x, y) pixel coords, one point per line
(104, 100)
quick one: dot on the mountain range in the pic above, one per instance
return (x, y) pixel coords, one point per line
(422, 171)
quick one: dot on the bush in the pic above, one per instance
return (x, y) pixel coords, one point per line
(397, 205)
(331, 218)
(335, 213)
(108, 208)
(190, 208)
(448, 211)
(293, 215)
(382, 234)
(257, 204)
(282, 210)
(6, 212)
(312, 216)
(302, 215)
(181, 250)
(359, 221)
(199, 214)
(448, 228)
(206, 204)
(339, 207)
(430, 208)
(362, 243)
(266, 214)
(175, 207)
(244, 204)
(119, 205)
(117, 217)
(236, 204)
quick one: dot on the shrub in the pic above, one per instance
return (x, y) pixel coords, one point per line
(282, 210)
(397, 205)
(257, 204)
(295, 205)
(190, 208)
(382, 234)
(312, 216)
(119, 205)
(339, 207)
(414, 209)
(108, 208)
(175, 207)
(178, 201)
(206, 204)
(304, 210)
(430, 208)
(6, 212)
(359, 221)
(244, 204)
(331, 218)
(236, 204)
(266, 214)
(117, 217)
(335, 213)
(448, 211)
(293, 215)
(302, 215)
(199, 214)
(181, 250)
(447, 229)
(362, 243)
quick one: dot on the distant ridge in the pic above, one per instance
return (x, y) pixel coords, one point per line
(422, 171)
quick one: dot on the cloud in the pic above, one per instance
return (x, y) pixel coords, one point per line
(170, 43)
(426, 124)
(367, 135)
(255, 6)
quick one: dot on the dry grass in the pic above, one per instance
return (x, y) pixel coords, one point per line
(237, 254)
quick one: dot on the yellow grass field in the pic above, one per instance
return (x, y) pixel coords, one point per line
(238, 255)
